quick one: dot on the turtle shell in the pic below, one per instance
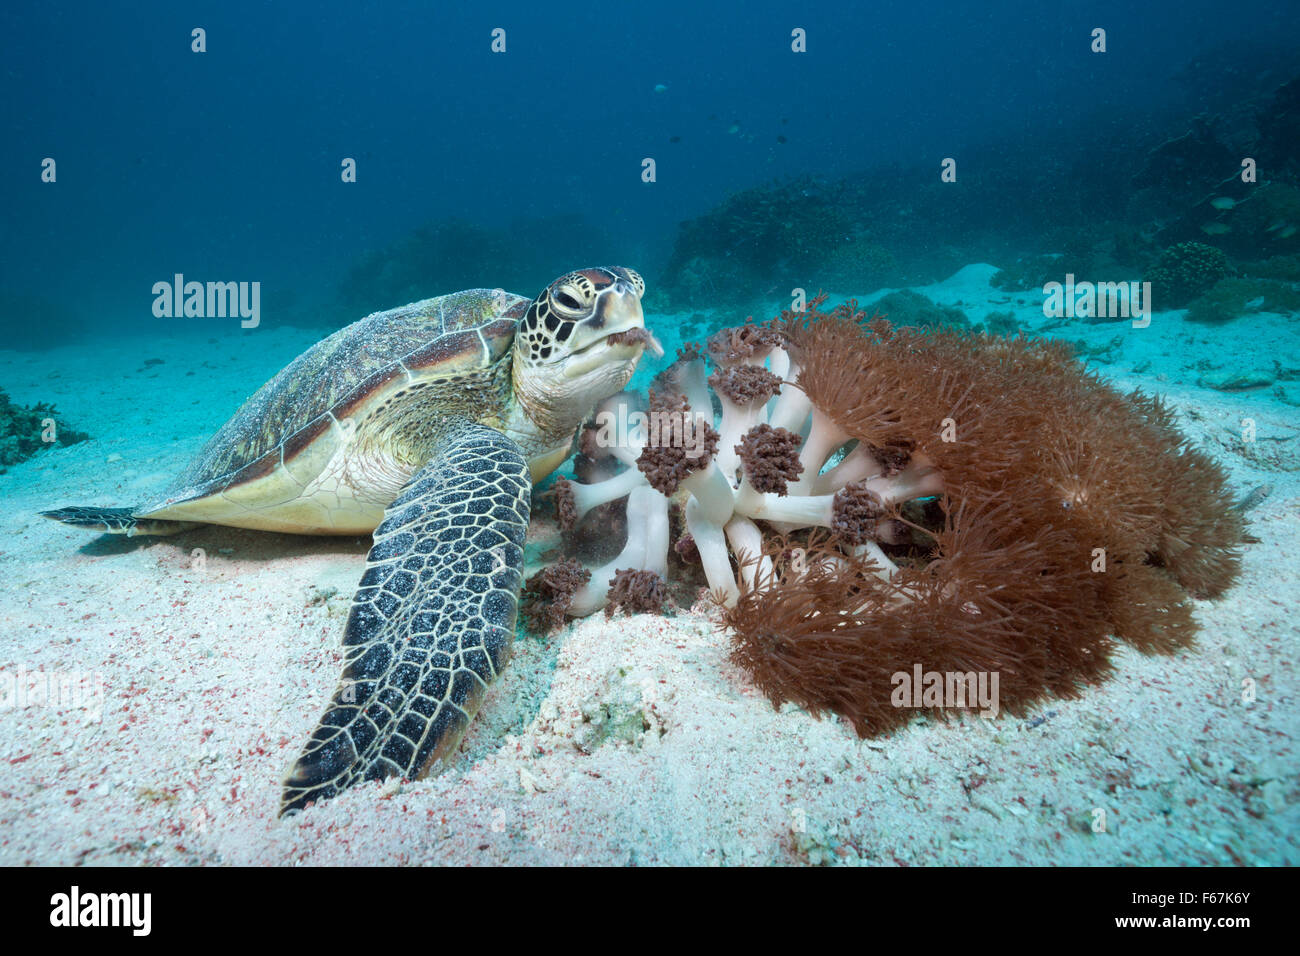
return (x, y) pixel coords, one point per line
(457, 339)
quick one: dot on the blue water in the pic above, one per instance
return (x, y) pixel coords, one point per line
(225, 165)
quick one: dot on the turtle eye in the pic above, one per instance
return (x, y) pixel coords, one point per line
(567, 301)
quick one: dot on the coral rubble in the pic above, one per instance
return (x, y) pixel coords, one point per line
(25, 429)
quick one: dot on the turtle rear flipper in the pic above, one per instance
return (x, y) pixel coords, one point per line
(432, 622)
(116, 521)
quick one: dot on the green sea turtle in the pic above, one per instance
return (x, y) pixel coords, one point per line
(427, 425)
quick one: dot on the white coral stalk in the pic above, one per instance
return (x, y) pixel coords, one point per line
(642, 515)
(919, 479)
(747, 545)
(712, 493)
(792, 407)
(586, 497)
(712, 546)
(824, 437)
(694, 385)
(737, 420)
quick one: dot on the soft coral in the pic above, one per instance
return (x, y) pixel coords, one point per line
(962, 502)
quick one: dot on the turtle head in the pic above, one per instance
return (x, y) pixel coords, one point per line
(569, 327)
(579, 343)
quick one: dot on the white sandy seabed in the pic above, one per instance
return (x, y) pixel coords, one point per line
(623, 741)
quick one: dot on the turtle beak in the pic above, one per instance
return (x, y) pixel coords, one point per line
(619, 309)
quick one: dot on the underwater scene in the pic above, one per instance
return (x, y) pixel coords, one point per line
(603, 434)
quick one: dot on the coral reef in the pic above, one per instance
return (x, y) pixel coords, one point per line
(1185, 271)
(1191, 186)
(1267, 218)
(908, 308)
(1092, 252)
(915, 499)
(23, 430)
(1285, 268)
(788, 227)
(1244, 220)
(859, 265)
(1234, 297)
(1001, 323)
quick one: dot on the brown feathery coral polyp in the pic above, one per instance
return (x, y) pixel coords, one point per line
(690, 464)
(743, 344)
(548, 593)
(574, 500)
(686, 378)
(770, 458)
(635, 592)
(637, 336)
(743, 392)
(1055, 536)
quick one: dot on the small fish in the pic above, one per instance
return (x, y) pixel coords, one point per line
(1223, 202)
(782, 139)
(1252, 499)
(1276, 226)
(1215, 229)
(661, 88)
(1287, 233)
(733, 129)
(674, 139)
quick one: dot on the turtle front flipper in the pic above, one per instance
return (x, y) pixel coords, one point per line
(432, 622)
(117, 521)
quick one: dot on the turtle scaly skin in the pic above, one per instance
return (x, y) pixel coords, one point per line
(415, 674)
